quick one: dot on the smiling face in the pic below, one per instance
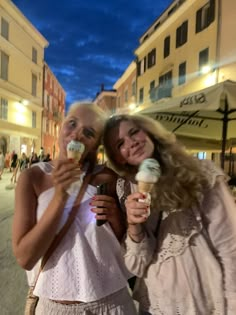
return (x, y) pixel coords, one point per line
(82, 124)
(130, 144)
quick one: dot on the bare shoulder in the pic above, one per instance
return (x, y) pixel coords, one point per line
(34, 179)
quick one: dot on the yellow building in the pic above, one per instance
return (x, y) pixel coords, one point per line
(21, 74)
(190, 47)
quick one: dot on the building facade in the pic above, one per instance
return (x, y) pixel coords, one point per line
(125, 88)
(106, 100)
(21, 80)
(53, 112)
(189, 47)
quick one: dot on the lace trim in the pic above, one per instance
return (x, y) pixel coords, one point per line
(123, 191)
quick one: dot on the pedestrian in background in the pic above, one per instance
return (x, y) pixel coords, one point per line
(85, 274)
(184, 253)
(2, 163)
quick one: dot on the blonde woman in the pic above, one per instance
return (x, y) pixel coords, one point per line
(86, 273)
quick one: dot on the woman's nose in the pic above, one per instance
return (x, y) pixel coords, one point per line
(76, 134)
(129, 142)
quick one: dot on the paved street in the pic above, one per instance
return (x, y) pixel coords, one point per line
(13, 285)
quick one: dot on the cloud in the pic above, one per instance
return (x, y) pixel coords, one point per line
(91, 42)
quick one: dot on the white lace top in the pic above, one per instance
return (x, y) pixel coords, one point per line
(87, 265)
(190, 267)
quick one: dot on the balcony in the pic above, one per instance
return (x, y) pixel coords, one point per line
(160, 92)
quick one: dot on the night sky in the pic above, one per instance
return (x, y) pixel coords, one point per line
(91, 42)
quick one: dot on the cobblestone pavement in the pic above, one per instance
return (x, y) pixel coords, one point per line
(13, 286)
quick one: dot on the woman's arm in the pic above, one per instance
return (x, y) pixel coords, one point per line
(139, 244)
(30, 238)
(219, 212)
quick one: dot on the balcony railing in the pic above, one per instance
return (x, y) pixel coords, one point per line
(160, 92)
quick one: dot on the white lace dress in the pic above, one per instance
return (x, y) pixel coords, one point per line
(190, 268)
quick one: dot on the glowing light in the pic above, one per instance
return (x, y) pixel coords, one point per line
(25, 102)
(132, 106)
(205, 69)
(210, 79)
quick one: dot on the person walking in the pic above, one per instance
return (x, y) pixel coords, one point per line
(2, 164)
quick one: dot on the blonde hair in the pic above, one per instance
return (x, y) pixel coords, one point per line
(182, 182)
(91, 106)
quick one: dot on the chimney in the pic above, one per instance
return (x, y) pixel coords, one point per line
(102, 87)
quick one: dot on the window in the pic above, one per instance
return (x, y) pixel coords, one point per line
(34, 85)
(133, 88)
(182, 34)
(152, 85)
(34, 55)
(167, 46)
(152, 58)
(4, 66)
(203, 58)
(126, 96)
(142, 66)
(4, 109)
(205, 16)
(165, 85)
(118, 101)
(48, 102)
(4, 28)
(182, 73)
(141, 95)
(34, 119)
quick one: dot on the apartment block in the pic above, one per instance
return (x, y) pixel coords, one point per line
(53, 111)
(191, 46)
(21, 80)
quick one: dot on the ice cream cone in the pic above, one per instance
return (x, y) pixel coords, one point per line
(145, 187)
(75, 150)
(75, 155)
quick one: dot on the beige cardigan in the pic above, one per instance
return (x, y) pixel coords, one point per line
(190, 268)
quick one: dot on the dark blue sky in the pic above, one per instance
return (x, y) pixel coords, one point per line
(90, 42)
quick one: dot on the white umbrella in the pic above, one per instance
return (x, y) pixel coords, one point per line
(207, 114)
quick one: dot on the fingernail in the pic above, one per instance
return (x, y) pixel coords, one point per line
(94, 197)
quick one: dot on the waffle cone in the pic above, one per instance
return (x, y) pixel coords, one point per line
(75, 155)
(145, 187)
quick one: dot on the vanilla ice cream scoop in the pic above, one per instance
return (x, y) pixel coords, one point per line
(148, 174)
(75, 150)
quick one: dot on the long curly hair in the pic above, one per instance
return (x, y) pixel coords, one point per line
(183, 181)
